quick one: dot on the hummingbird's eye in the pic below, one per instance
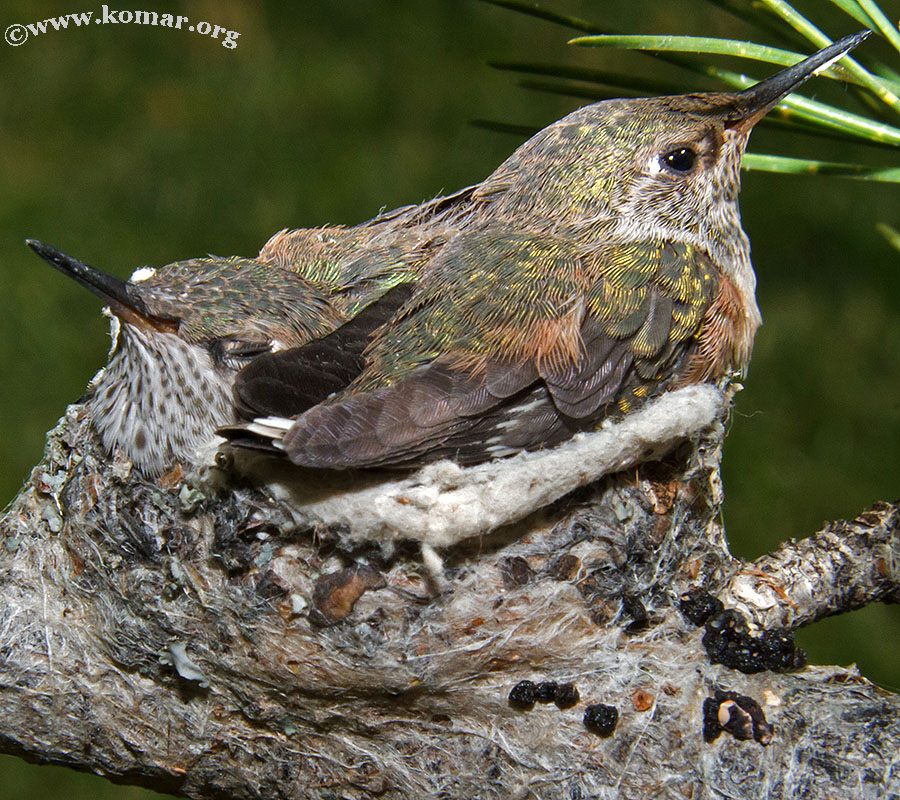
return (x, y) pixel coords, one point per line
(235, 353)
(680, 160)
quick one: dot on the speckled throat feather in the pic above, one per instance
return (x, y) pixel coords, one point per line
(158, 400)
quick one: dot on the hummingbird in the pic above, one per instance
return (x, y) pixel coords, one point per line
(182, 332)
(602, 264)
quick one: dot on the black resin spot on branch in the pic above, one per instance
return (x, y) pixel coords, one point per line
(737, 714)
(601, 719)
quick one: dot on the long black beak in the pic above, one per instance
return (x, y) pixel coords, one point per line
(119, 295)
(754, 103)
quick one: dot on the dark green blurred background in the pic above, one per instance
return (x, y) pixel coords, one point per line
(128, 145)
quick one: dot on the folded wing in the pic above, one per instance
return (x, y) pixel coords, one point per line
(511, 342)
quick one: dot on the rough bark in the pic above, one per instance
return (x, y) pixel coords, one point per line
(187, 635)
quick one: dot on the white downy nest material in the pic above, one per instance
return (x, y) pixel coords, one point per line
(442, 504)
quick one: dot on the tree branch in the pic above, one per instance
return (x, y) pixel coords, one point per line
(192, 636)
(843, 567)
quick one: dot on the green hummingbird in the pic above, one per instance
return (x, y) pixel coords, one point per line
(603, 263)
(182, 332)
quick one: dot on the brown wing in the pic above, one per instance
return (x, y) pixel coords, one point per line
(540, 343)
(643, 312)
(290, 382)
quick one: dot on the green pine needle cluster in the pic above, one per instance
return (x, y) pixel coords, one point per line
(874, 85)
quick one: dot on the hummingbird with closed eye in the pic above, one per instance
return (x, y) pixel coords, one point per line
(182, 332)
(602, 264)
